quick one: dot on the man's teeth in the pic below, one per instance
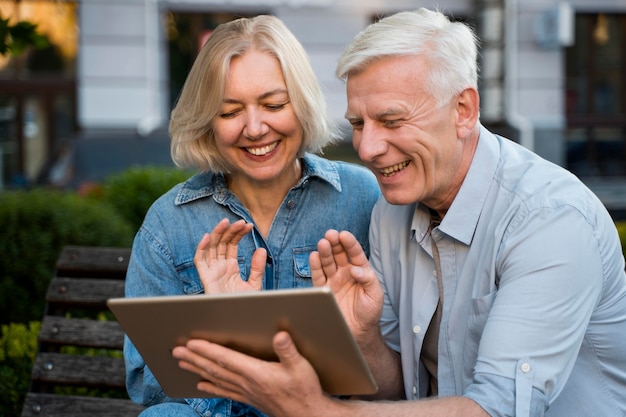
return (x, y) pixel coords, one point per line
(263, 150)
(394, 168)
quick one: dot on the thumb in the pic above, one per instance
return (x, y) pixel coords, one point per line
(285, 349)
(257, 268)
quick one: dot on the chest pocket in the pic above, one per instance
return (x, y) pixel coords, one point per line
(302, 268)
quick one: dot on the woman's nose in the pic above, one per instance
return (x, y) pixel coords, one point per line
(256, 125)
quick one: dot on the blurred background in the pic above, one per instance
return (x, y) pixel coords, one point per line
(97, 98)
(86, 89)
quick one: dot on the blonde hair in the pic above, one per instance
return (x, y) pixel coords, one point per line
(191, 123)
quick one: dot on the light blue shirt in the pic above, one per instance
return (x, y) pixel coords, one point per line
(329, 195)
(534, 303)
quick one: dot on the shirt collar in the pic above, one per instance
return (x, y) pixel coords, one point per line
(462, 217)
(207, 184)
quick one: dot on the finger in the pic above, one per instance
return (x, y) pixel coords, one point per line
(216, 236)
(317, 272)
(338, 251)
(291, 359)
(211, 382)
(353, 249)
(217, 391)
(257, 268)
(286, 350)
(231, 238)
(213, 362)
(326, 257)
(199, 256)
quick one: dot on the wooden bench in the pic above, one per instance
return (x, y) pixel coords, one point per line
(80, 343)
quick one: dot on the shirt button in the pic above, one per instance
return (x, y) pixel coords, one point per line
(414, 390)
(525, 367)
(291, 204)
(417, 329)
(434, 273)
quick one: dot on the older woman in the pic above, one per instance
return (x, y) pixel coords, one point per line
(250, 117)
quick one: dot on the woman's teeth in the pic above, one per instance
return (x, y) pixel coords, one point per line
(262, 150)
(393, 169)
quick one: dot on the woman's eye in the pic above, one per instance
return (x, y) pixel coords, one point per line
(276, 107)
(228, 115)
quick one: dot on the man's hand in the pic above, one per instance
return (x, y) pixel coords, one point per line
(217, 264)
(341, 264)
(289, 387)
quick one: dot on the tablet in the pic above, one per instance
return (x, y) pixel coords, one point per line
(246, 322)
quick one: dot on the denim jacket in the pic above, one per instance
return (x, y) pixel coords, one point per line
(330, 195)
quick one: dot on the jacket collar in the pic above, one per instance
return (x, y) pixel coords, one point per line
(207, 184)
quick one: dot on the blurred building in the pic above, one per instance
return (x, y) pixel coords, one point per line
(552, 73)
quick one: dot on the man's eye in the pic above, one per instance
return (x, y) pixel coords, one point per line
(391, 123)
(356, 124)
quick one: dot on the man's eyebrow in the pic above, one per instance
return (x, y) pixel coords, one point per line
(389, 112)
(378, 116)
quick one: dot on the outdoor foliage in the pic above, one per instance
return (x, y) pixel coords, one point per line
(18, 344)
(35, 225)
(133, 190)
(15, 38)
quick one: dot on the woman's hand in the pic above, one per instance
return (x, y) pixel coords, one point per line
(217, 264)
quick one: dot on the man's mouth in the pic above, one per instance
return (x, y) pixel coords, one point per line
(263, 150)
(389, 171)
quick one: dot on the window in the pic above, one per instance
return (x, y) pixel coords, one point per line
(596, 96)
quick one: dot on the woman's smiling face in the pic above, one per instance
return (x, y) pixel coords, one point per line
(257, 131)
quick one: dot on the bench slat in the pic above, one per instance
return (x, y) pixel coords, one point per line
(81, 332)
(90, 371)
(84, 291)
(38, 405)
(93, 261)
(85, 278)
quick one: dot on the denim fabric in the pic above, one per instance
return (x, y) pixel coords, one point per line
(330, 195)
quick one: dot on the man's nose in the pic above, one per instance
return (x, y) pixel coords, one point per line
(369, 142)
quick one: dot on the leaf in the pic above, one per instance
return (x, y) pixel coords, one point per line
(16, 38)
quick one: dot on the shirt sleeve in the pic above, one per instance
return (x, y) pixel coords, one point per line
(550, 273)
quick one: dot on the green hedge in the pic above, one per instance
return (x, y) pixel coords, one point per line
(134, 190)
(35, 225)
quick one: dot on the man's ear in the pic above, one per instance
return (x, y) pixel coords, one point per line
(467, 110)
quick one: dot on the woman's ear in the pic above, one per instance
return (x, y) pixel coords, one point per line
(467, 110)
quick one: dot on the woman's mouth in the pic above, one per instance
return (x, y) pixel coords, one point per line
(262, 150)
(389, 171)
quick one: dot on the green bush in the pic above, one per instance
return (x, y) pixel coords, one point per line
(18, 344)
(35, 225)
(133, 190)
